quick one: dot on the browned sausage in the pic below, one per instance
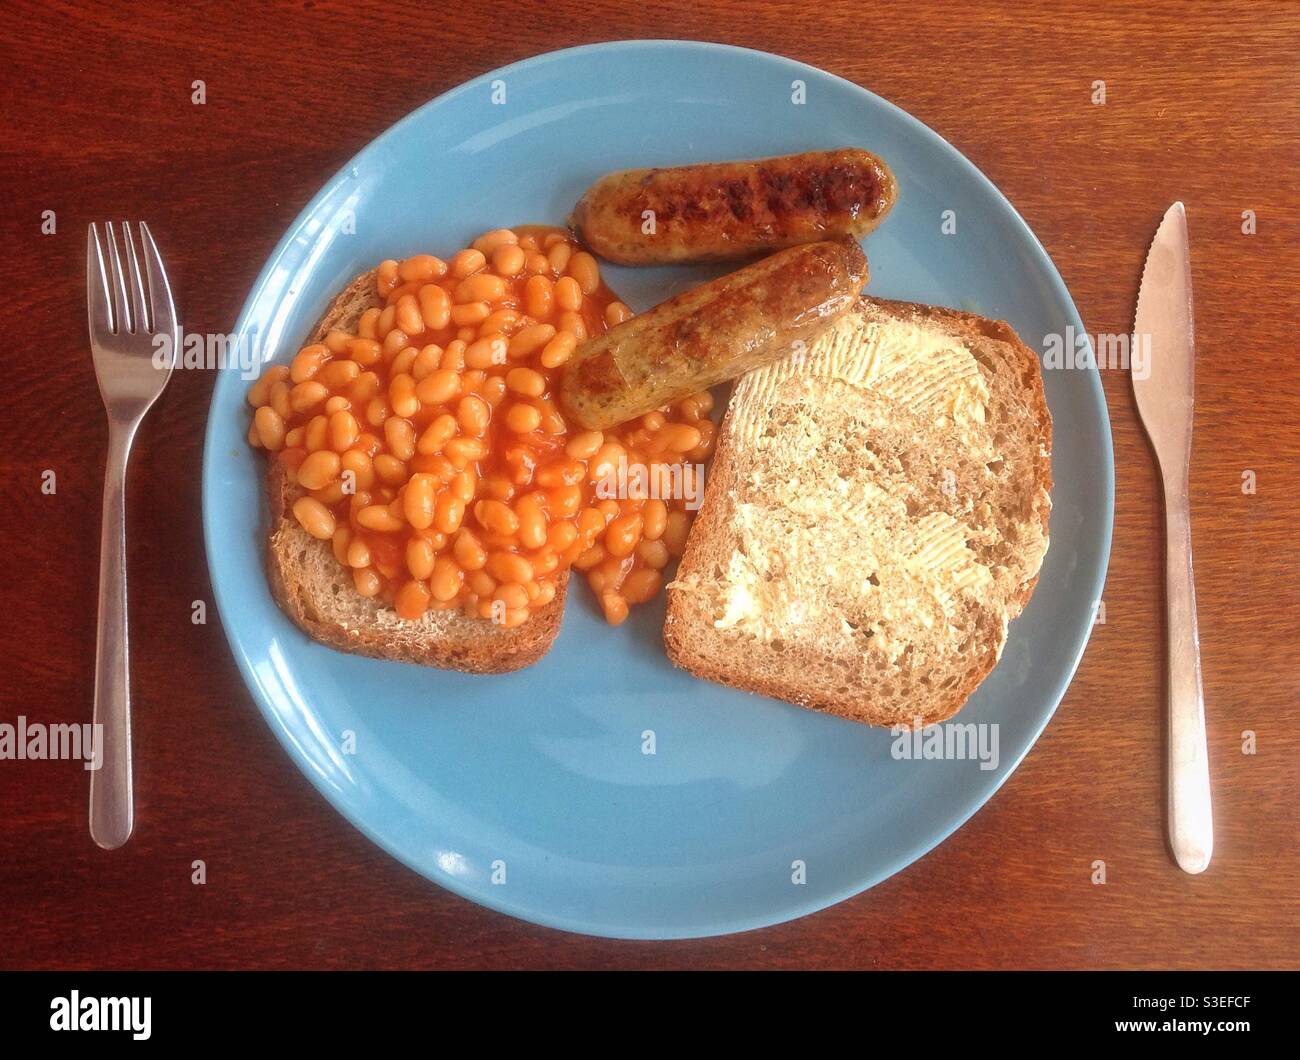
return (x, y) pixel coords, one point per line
(734, 209)
(712, 333)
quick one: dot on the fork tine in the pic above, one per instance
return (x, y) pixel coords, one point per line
(99, 305)
(139, 313)
(121, 311)
(161, 307)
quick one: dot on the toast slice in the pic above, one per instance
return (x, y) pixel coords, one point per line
(875, 516)
(317, 593)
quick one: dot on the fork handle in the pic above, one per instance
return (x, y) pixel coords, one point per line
(112, 807)
(1191, 826)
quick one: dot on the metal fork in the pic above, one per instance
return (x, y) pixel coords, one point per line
(125, 318)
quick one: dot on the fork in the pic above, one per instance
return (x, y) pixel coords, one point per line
(125, 319)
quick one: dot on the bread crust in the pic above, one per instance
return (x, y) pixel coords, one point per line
(680, 621)
(450, 639)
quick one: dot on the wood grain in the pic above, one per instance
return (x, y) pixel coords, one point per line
(1203, 105)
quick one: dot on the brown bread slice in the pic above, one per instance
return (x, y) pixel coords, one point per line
(875, 516)
(317, 593)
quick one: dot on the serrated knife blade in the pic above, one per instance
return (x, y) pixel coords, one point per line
(1162, 362)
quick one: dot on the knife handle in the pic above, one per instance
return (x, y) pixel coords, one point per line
(1191, 825)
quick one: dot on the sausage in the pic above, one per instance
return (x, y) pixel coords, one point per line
(712, 333)
(733, 209)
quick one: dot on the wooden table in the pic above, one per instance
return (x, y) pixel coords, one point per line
(1201, 105)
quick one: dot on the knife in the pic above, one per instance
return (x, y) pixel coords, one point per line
(1162, 387)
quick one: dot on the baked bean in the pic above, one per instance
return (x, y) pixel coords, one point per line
(652, 554)
(484, 353)
(558, 350)
(464, 484)
(367, 323)
(367, 582)
(378, 517)
(532, 523)
(481, 287)
(278, 399)
(529, 340)
(462, 451)
(565, 500)
(438, 387)
(469, 552)
(339, 543)
(473, 414)
(616, 313)
(426, 362)
(568, 294)
(469, 316)
(493, 390)
(538, 297)
(420, 555)
(535, 264)
(318, 470)
(583, 268)
(365, 352)
(622, 535)
(308, 362)
(435, 306)
(421, 267)
(358, 554)
(336, 341)
(467, 262)
(409, 317)
(522, 418)
(316, 433)
(386, 276)
(400, 436)
(270, 428)
(260, 392)
(448, 513)
(437, 434)
(447, 578)
(509, 567)
(418, 501)
(412, 600)
(314, 517)
(615, 608)
(674, 536)
(641, 585)
(453, 356)
(654, 518)
(558, 257)
(307, 396)
(390, 469)
(364, 387)
(496, 516)
(512, 594)
(508, 260)
(525, 381)
(561, 473)
(362, 469)
(489, 242)
(574, 324)
(499, 322)
(584, 445)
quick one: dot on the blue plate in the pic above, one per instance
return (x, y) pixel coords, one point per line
(531, 792)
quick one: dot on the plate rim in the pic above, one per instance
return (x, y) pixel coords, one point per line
(488, 899)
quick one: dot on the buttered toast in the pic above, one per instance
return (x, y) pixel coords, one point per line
(875, 516)
(318, 594)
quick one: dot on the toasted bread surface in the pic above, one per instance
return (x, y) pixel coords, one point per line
(318, 594)
(875, 516)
